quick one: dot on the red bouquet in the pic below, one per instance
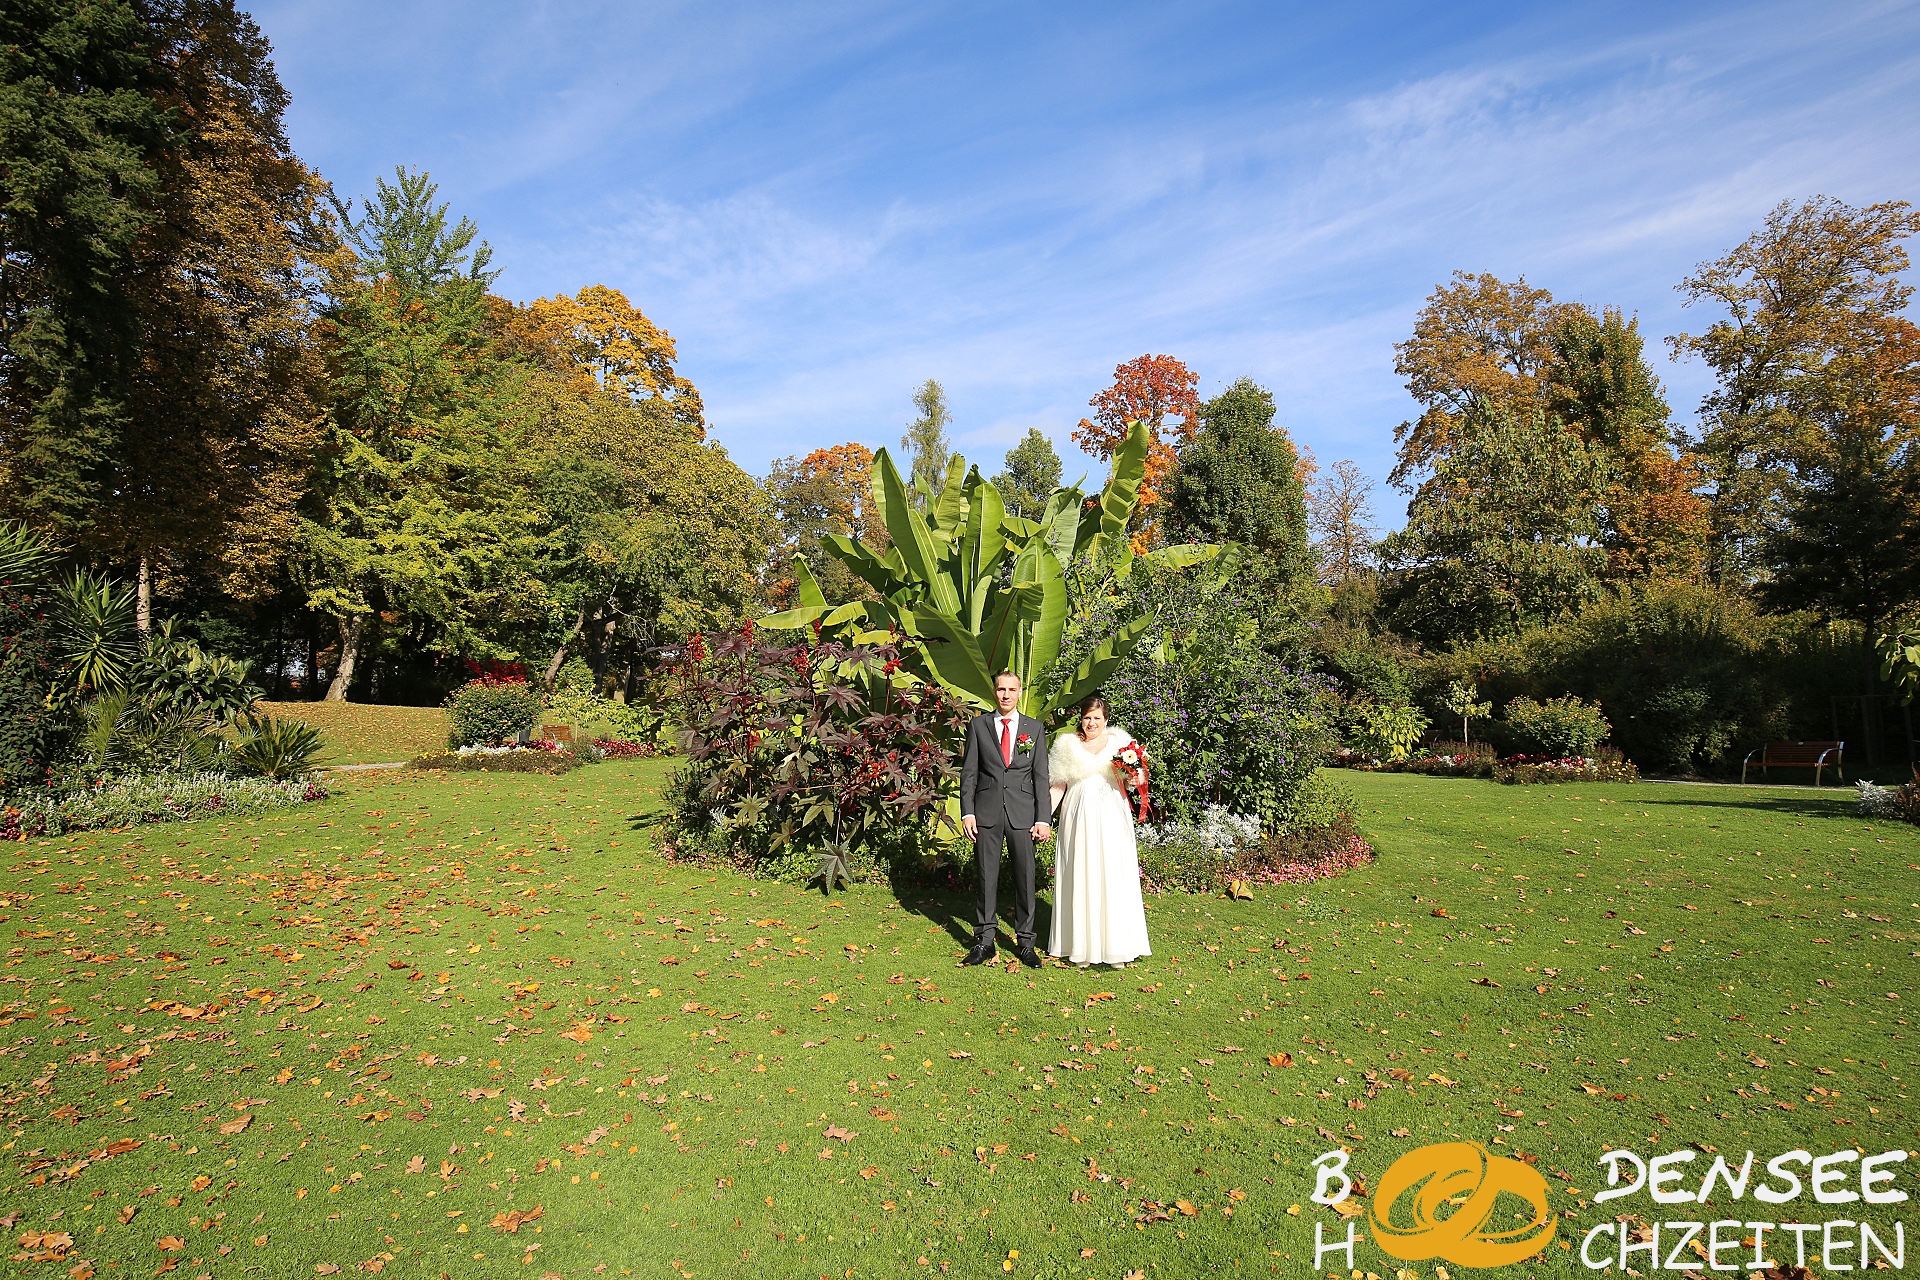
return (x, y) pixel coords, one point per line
(1129, 760)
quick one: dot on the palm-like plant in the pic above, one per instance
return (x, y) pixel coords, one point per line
(277, 748)
(977, 591)
(98, 644)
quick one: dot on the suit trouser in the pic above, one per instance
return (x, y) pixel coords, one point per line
(987, 849)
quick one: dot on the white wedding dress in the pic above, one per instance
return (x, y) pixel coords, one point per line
(1098, 917)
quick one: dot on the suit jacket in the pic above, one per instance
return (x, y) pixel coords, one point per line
(995, 793)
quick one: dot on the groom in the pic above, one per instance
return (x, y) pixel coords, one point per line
(1005, 802)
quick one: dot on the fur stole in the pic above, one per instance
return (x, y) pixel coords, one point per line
(1069, 762)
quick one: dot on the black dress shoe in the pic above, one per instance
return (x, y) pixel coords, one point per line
(1028, 956)
(981, 953)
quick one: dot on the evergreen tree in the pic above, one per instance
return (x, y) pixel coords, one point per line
(79, 154)
(926, 438)
(1239, 481)
(1032, 474)
(1601, 388)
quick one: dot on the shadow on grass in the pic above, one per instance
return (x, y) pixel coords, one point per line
(1811, 804)
(951, 908)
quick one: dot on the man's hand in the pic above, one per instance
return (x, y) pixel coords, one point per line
(1041, 831)
(969, 825)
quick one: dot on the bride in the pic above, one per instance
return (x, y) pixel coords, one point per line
(1098, 917)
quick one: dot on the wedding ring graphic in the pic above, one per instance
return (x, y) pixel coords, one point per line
(1467, 1179)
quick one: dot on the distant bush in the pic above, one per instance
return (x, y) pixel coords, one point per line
(489, 711)
(1690, 677)
(1321, 801)
(1558, 727)
(1378, 731)
(1285, 857)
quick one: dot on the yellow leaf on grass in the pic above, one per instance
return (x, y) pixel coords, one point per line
(237, 1125)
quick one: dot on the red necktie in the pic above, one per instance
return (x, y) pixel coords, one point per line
(1006, 742)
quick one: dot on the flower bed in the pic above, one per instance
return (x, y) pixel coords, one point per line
(620, 749)
(1605, 765)
(1443, 760)
(161, 797)
(1294, 856)
(540, 756)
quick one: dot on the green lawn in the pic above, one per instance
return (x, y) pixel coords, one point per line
(374, 1028)
(363, 733)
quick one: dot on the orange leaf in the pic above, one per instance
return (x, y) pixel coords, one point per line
(1281, 1059)
(237, 1125)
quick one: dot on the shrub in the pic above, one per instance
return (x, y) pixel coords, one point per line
(1901, 802)
(1381, 732)
(592, 718)
(816, 750)
(1227, 721)
(1691, 677)
(1606, 765)
(153, 797)
(1321, 801)
(277, 748)
(30, 730)
(1558, 727)
(489, 710)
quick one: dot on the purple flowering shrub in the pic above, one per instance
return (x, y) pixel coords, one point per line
(1228, 717)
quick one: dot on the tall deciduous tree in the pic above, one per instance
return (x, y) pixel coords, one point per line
(1812, 299)
(418, 512)
(1479, 340)
(1032, 474)
(599, 335)
(1239, 481)
(1340, 517)
(83, 131)
(1505, 533)
(829, 491)
(223, 404)
(1161, 392)
(651, 532)
(926, 441)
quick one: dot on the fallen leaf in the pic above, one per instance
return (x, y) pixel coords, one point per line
(513, 1219)
(169, 1244)
(237, 1125)
(1281, 1059)
(845, 1135)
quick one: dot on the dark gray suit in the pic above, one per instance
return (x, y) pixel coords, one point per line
(1005, 801)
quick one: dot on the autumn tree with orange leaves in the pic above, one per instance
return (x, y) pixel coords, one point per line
(829, 491)
(1163, 393)
(597, 334)
(1508, 349)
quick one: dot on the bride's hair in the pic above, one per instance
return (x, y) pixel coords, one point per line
(1094, 701)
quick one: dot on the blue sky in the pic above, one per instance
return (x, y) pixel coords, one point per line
(826, 204)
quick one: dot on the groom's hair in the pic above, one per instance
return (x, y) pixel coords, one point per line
(1006, 675)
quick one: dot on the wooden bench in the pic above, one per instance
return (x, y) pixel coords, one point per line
(1796, 755)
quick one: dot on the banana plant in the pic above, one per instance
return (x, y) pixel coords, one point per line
(978, 591)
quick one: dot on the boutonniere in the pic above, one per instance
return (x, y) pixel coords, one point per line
(1023, 743)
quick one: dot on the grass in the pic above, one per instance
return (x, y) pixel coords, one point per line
(361, 733)
(376, 1026)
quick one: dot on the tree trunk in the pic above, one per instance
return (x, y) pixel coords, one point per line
(560, 654)
(143, 606)
(353, 629)
(310, 678)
